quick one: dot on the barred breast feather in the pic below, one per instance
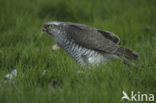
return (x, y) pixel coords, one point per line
(81, 54)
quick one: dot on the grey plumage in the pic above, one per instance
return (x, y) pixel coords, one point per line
(86, 44)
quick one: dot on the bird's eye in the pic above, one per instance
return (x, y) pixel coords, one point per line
(51, 26)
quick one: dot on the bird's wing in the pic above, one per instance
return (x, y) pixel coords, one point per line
(110, 36)
(90, 38)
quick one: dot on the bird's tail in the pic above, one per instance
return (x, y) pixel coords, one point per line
(127, 53)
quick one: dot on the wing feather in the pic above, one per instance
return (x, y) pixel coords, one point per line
(90, 38)
(110, 36)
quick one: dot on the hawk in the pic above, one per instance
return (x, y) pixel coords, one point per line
(87, 45)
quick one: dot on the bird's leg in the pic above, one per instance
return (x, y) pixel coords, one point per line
(126, 64)
(126, 67)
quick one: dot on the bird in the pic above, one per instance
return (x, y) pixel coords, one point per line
(88, 45)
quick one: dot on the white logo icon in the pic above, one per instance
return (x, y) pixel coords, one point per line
(125, 96)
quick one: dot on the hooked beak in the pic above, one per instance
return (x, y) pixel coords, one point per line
(45, 28)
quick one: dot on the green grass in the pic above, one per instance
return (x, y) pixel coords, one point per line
(24, 47)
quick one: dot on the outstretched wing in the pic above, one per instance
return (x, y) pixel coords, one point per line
(91, 38)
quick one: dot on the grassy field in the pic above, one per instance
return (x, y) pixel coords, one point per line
(24, 47)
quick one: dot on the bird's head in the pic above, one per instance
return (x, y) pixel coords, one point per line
(52, 28)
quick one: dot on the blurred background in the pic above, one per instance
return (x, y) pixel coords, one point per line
(23, 46)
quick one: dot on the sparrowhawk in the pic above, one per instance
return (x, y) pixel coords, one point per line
(87, 45)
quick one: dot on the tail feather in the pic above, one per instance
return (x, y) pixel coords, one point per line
(129, 54)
